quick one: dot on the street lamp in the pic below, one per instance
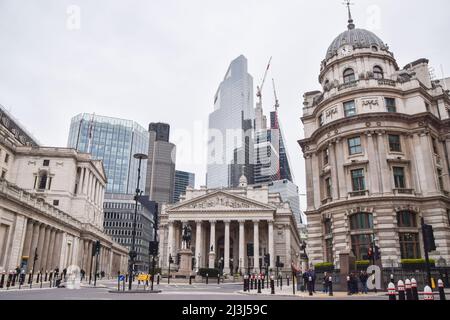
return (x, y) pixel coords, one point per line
(140, 157)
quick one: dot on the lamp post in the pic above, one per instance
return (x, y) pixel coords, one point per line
(155, 242)
(140, 157)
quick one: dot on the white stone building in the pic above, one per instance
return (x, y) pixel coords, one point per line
(376, 146)
(225, 221)
(51, 204)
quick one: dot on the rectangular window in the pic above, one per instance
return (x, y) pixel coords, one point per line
(360, 245)
(3, 176)
(56, 203)
(390, 105)
(349, 108)
(394, 143)
(358, 181)
(46, 163)
(409, 245)
(399, 178)
(354, 145)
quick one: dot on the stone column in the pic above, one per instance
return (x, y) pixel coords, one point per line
(212, 244)
(44, 255)
(170, 242)
(40, 247)
(271, 245)
(242, 246)
(334, 172)
(372, 179)
(339, 147)
(34, 243)
(28, 239)
(49, 263)
(57, 250)
(287, 234)
(226, 268)
(162, 236)
(256, 245)
(386, 174)
(198, 249)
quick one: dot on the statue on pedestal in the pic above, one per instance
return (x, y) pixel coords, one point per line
(187, 237)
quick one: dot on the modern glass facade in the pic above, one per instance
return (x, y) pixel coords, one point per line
(233, 115)
(182, 181)
(289, 193)
(114, 141)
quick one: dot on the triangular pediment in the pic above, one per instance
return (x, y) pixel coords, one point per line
(220, 201)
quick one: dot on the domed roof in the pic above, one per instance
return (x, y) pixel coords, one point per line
(358, 38)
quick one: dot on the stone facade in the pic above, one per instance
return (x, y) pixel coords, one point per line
(224, 221)
(376, 146)
(51, 204)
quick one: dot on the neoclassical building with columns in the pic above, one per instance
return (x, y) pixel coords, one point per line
(376, 147)
(224, 222)
(51, 205)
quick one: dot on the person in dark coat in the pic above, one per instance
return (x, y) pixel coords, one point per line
(363, 277)
(305, 279)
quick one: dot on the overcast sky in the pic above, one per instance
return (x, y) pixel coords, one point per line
(163, 60)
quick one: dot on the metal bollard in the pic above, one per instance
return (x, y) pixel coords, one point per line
(281, 283)
(251, 282)
(207, 278)
(2, 280)
(272, 285)
(46, 274)
(428, 294)
(310, 286)
(218, 279)
(259, 283)
(157, 279)
(29, 278)
(262, 282)
(415, 293)
(245, 283)
(441, 290)
(190, 279)
(401, 290)
(408, 290)
(287, 281)
(14, 278)
(391, 292)
(8, 282)
(349, 286)
(50, 278)
(330, 286)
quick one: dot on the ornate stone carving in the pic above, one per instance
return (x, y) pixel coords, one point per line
(219, 201)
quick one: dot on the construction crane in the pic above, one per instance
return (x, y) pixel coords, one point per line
(277, 104)
(260, 88)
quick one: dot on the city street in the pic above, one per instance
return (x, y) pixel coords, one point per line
(176, 291)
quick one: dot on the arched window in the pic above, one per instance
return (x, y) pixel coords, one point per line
(378, 72)
(406, 219)
(361, 221)
(349, 75)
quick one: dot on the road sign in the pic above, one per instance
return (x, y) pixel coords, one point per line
(121, 277)
(143, 277)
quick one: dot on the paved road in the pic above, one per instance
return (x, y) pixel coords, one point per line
(169, 292)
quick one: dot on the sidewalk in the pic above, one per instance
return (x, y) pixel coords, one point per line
(287, 292)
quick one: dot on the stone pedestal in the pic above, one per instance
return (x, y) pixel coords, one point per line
(347, 261)
(212, 259)
(185, 268)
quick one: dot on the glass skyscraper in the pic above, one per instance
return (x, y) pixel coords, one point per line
(114, 141)
(182, 181)
(230, 149)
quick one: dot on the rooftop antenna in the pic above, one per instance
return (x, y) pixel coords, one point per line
(351, 25)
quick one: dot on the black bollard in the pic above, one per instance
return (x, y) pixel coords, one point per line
(281, 283)
(441, 290)
(14, 279)
(50, 278)
(310, 286)
(259, 284)
(2, 280)
(245, 283)
(251, 282)
(272, 285)
(190, 279)
(408, 290)
(330, 286)
(118, 282)
(8, 282)
(207, 278)
(262, 282)
(218, 279)
(349, 286)
(415, 292)
(391, 292)
(29, 278)
(401, 290)
(157, 279)
(46, 274)
(287, 281)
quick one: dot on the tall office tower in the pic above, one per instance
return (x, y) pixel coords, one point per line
(160, 165)
(182, 181)
(289, 193)
(284, 167)
(114, 141)
(230, 144)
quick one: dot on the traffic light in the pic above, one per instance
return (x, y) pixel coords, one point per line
(377, 253)
(428, 237)
(97, 247)
(178, 258)
(370, 253)
(153, 248)
(267, 259)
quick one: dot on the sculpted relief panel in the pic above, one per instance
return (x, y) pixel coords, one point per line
(219, 202)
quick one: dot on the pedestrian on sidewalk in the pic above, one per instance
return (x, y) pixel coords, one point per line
(363, 278)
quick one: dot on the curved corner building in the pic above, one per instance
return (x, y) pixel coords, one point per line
(377, 145)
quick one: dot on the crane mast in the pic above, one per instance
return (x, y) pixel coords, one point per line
(260, 88)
